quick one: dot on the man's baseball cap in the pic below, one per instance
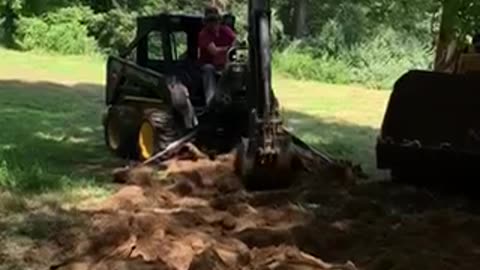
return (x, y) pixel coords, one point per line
(211, 14)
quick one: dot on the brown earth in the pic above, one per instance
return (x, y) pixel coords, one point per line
(201, 218)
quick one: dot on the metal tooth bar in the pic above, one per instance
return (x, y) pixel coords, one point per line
(389, 140)
(446, 146)
(414, 143)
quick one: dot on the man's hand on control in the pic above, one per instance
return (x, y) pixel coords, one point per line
(216, 50)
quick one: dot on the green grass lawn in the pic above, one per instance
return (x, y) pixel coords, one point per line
(51, 144)
(58, 69)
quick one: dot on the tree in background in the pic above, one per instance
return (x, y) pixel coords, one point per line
(9, 24)
(460, 19)
(347, 41)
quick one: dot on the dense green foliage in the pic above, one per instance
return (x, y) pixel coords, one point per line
(376, 63)
(65, 31)
(370, 42)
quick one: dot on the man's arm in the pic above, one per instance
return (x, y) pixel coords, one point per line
(231, 35)
(206, 43)
(214, 50)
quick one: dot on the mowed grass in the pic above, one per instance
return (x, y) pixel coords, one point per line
(52, 139)
(342, 121)
(50, 68)
(51, 146)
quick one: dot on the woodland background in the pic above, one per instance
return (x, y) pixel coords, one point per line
(365, 42)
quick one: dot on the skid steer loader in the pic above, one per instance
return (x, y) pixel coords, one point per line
(155, 97)
(430, 131)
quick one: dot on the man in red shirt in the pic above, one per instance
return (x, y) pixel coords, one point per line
(214, 41)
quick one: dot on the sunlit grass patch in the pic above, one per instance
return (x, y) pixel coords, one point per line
(342, 121)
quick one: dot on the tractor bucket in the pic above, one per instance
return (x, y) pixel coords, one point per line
(432, 121)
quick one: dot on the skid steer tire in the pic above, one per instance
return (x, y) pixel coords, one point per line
(121, 125)
(158, 129)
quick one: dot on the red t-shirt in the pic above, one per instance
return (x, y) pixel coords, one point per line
(224, 38)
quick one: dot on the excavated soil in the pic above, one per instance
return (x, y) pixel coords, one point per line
(200, 217)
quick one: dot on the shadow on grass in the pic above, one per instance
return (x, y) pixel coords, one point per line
(51, 135)
(338, 140)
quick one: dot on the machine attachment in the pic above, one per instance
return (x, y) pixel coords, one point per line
(264, 159)
(430, 128)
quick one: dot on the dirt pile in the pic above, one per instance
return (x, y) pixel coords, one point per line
(199, 217)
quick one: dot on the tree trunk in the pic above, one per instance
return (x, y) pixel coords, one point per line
(9, 26)
(445, 57)
(285, 15)
(300, 18)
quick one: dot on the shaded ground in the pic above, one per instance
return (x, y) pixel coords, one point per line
(51, 135)
(51, 155)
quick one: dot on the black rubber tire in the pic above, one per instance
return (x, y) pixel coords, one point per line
(121, 126)
(166, 129)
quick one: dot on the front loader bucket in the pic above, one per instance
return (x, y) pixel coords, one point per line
(432, 121)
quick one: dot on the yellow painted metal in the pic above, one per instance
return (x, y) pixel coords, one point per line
(146, 140)
(113, 135)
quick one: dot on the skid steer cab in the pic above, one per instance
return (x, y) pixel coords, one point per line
(155, 93)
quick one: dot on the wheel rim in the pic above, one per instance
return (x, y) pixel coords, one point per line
(113, 136)
(146, 140)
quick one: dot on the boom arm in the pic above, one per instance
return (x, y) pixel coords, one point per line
(264, 159)
(260, 56)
